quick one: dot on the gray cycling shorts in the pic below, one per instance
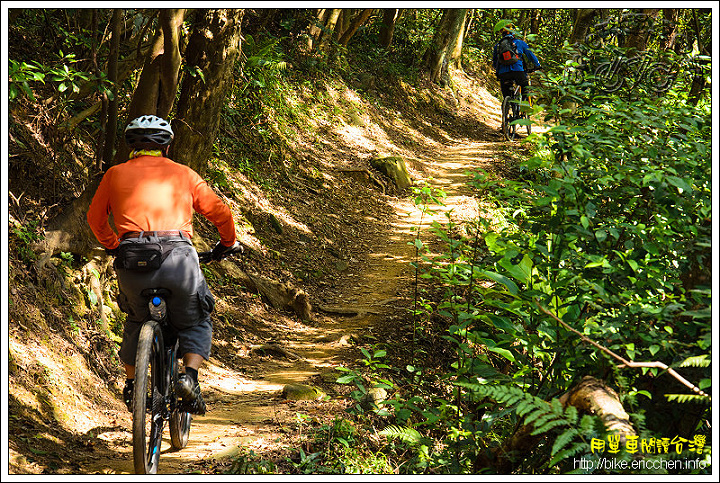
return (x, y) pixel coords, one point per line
(189, 304)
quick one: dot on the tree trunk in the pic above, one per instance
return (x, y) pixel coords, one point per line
(343, 22)
(438, 53)
(314, 30)
(355, 25)
(698, 83)
(670, 27)
(157, 87)
(387, 28)
(171, 21)
(535, 19)
(329, 29)
(213, 49)
(112, 106)
(637, 40)
(581, 26)
(593, 396)
(456, 45)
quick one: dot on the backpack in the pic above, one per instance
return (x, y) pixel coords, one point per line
(507, 51)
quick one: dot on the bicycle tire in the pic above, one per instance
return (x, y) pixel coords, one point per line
(149, 386)
(529, 126)
(179, 420)
(506, 113)
(180, 428)
(514, 114)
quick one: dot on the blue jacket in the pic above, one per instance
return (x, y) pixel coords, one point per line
(522, 49)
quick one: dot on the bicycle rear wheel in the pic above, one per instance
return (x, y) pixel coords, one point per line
(148, 399)
(179, 420)
(529, 127)
(507, 117)
(180, 428)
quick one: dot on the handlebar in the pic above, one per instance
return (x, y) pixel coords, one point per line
(206, 257)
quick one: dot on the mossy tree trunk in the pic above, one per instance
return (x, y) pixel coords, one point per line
(157, 87)
(212, 51)
(446, 38)
(387, 28)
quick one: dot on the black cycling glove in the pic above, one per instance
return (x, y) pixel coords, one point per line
(220, 250)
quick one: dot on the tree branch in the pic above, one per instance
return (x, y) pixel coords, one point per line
(624, 361)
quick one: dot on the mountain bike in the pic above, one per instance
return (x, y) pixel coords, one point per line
(155, 399)
(513, 111)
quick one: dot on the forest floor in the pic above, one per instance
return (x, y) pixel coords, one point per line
(357, 275)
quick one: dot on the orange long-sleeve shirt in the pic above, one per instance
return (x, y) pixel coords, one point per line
(152, 193)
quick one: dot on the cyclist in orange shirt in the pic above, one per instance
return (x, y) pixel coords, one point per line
(152, 200)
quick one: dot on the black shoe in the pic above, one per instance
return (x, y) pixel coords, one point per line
(189, 391)
(128, 393)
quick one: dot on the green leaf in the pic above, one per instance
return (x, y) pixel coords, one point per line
(520, 271)
(644, 393)
(679, 183)
(511, 286)
(345, 379)
(599, 263)
(503, 352)
(522, 122)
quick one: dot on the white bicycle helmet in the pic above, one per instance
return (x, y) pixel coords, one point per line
(148, 131)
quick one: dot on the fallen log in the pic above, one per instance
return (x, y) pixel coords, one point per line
(593, 396)
(589, 396)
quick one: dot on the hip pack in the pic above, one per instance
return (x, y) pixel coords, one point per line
(141, 257)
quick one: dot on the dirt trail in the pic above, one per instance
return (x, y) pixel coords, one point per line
(249, 412)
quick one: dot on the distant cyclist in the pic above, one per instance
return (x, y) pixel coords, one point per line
(507, 60)
(152, 200)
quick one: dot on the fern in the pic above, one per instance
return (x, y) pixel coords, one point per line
(405, 434)
(563, 440)
(545, 417)
(412, 438)
(570, 452)
(549, 425)
(696, 361)
(685, 398)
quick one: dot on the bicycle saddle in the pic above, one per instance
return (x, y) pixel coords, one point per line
(151, 292)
